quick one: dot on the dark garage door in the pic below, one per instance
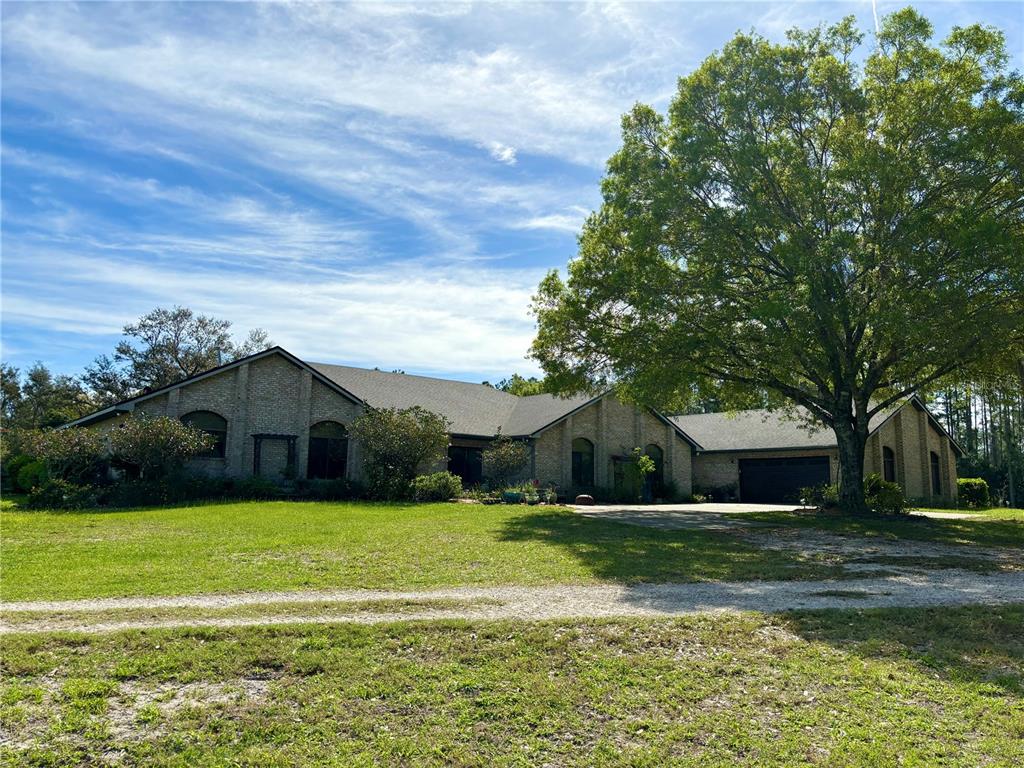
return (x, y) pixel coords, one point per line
(780, 480)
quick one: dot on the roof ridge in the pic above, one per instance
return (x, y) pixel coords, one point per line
(416, 376)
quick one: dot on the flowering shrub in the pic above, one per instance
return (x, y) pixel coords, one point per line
(154, 447)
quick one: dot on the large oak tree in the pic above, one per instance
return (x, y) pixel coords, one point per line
(807, 226)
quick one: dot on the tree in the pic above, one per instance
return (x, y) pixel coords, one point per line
(10, 392)
(798, 227)
(155, 447)
(395, 444)
(165, 346)
(41, 399)
(74, 455)
(503, 459)
(520, 385)
(107, 382)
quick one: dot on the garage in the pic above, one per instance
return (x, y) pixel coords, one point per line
(779, 480)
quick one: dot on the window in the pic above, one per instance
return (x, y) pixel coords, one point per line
(467, 463)
(328, 451)
(212, 424)
(936, 475)
(888, 464)
(656, 480)
(582, 463)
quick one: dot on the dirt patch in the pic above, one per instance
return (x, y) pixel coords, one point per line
(140, 709)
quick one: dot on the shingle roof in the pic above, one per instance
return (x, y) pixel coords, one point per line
(538, 411)
(472, 409)
(760, 430)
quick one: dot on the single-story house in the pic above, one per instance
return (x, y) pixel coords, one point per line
(275, 415)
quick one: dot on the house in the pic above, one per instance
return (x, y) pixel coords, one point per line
(275, 415)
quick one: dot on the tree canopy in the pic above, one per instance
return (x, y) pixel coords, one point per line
(805, 229)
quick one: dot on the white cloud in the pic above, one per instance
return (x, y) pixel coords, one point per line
(456, 320)
(502, 152)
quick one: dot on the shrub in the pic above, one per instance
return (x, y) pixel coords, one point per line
(255, 488)
(59, 493)
(339, 489)
(395, 443)
(76, 455)
(176, 489)
(439, 486)
(503, 460)
(12, 467)
(824, 496)
(972, 492)
(155, 447)
(883, 497)
(32, 475)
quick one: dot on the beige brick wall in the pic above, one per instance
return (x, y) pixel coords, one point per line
(912, 437)
(717, 470)
(266, 396)
(615, 429)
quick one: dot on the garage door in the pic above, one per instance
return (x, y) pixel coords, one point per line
(780, 480)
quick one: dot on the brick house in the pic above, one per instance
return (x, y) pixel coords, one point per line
(275, 415)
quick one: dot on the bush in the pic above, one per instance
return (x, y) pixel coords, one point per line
(439, 486)
(62, 494)
(177, 489)
(882, 496)
(74, 454)
(255, 488)
(972, 492)
(12, 467)
(30, 476)
(824, 496)
(328, 490)
(396, 443)
(156, 447)
(503, 460)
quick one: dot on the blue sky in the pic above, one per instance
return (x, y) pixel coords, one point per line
(374, 184)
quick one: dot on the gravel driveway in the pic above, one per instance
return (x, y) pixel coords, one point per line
(940, 587)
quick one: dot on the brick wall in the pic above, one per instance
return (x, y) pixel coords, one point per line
(615, 429)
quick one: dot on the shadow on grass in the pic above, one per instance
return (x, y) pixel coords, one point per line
(979, 645)
(981, 533)
(633, 554)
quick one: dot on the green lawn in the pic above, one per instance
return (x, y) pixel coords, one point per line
(837, 688)
(232, 547)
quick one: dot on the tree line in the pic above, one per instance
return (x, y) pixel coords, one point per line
(162, 347)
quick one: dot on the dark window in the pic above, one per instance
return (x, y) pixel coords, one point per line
(467, 463)
(582, 463)
(888, 464)
(656, 480)
(936, 475)
(212, 424)
(328, 451)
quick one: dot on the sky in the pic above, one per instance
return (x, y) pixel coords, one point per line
(375, 185)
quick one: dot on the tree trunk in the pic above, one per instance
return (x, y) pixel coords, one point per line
(852, 441)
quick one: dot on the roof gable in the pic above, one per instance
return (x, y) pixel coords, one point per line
(128, 405)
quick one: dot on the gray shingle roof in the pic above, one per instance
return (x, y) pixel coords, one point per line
(472, 409)
(760, 430)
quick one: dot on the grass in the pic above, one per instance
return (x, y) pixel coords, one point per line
(255, 546)
(990, 528)
(845, 688)
(232, 547)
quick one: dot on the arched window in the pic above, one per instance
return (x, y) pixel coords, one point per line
(212, 424)
(936, 475)
(582, 463)
(888, 464)
(328, 451)
(656, 480)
